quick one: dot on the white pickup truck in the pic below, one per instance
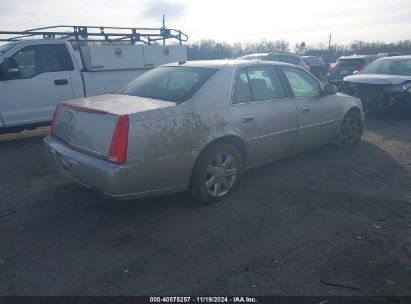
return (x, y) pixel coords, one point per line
(36, 74)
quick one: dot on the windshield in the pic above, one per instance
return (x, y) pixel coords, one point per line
(390, 67)
(176, 84)
(4, 48)
(314, 60)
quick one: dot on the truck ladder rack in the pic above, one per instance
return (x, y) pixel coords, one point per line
(101, 34)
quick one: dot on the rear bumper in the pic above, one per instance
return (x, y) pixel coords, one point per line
(87, 170)
(121, 182)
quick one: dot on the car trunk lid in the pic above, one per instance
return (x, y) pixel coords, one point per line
(90, 124)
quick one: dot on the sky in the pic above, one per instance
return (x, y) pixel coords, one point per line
(310, 21)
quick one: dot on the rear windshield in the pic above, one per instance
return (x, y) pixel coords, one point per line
(176, 84)
(390, 67)
(350, 63)
(289, 59)
(314, 60)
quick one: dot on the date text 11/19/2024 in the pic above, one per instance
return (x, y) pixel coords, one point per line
(203, 300)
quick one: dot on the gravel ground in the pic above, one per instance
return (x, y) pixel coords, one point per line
(327, 215)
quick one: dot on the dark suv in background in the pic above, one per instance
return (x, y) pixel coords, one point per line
(316, 64)
(279, 57)
(348, 65)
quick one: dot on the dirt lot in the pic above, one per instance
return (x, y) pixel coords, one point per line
(339, 216)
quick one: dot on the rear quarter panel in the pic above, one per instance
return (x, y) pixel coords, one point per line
(167, 141)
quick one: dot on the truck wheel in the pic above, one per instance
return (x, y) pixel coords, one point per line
(216, 173)
(350, 131)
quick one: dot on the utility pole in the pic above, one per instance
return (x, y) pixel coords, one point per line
(164, 27)
(329, 44)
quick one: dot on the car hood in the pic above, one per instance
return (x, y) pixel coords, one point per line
(377, 79)
(120, 104)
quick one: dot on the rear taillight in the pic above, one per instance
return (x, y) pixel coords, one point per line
(332, 67)
(119, 142)
(53, 120)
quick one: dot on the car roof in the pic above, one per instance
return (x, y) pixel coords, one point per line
(218, 64)
(402, 57)
(256, 54)
(356, 57)
(285, 54)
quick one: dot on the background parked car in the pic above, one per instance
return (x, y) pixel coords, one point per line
(348, 65)
(279, 57)
(316, 64)
(391, 54)
(198, 126)
(383, 85)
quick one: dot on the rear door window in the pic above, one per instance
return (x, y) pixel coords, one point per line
(302, 84)
(265, 83)
(257, 83)
(242, 90)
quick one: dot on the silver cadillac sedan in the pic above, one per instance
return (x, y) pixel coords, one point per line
(197, 126)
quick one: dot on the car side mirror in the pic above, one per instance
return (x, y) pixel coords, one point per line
(329, 89)
(8, 70)
(13, 72)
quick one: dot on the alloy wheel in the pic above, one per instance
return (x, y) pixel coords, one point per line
(220, 175)
(348, 132)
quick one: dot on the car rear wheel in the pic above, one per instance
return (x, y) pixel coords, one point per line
(217, 172)
(350, 131)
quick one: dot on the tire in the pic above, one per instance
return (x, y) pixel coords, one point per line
(350, 131)
(216, 173)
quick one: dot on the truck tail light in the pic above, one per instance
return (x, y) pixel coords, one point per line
(53, 120)
(332, 67)
(119, 141)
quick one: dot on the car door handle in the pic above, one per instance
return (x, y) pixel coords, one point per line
(247, 118)
(305, 110)
(60, 81)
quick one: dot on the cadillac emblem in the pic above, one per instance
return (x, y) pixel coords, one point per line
(71, 124)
